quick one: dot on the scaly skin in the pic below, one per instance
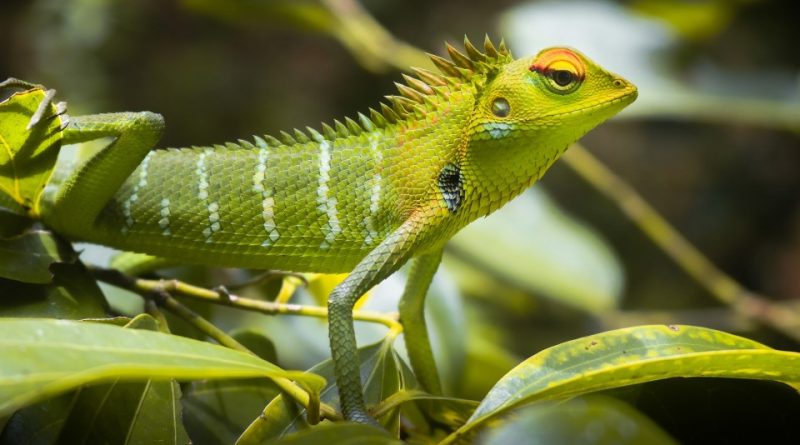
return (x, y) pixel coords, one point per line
(362, 197)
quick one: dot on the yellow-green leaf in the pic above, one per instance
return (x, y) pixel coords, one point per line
(629, 356)
(27, 156)
(43, 357)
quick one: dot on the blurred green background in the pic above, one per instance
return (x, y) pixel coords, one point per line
(713, 143)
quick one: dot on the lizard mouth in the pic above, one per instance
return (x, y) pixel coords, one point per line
(625, 99)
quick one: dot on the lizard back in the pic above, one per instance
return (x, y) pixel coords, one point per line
(310, 205)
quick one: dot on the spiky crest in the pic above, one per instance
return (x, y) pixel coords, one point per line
(417, 95)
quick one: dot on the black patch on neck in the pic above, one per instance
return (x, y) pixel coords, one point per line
(451, 185)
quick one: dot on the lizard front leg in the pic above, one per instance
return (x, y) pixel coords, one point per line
(412, 316)
(377, 265)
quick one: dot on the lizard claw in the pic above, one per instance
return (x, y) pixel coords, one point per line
(43, 105)
(61, 107)
(61, 110)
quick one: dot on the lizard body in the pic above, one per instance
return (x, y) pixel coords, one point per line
(362, 196)
(318, 205)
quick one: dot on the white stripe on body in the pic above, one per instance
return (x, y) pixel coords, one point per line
(267, 199)
(164, 221)
(370, 234)
(325, 202)
(202, 194)
(128, 204)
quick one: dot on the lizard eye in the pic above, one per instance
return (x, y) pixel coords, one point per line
(500, 107)
(561, 70)
(563, 78)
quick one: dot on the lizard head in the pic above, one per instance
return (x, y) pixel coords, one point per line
(528, 111)
(559, 90)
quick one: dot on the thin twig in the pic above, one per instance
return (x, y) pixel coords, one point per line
(160, 291)
(373, 45)
(269, 275)
(179, 288)
(295, 391)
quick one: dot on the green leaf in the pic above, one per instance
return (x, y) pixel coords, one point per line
(590, 420)
(340, 433)
(629, 356)
(217, 412)
(537, 247)
(257, 343)
(128, 412)
(424, 413)
(381, 375)
(27, 257)
(39, 424)
(43, 357)
(73, 294)
(11, 223)
(27, 157)
(133, 412)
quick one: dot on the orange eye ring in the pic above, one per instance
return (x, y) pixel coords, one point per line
(561, 70)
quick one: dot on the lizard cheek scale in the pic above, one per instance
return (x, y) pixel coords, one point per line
(362, 195)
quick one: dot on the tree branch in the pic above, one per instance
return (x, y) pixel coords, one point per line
(719, 284)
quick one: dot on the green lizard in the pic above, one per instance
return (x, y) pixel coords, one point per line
(363, 196)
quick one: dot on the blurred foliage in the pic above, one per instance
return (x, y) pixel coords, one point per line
(590, 420)
(713, 143)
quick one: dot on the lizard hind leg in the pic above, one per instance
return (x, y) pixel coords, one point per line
(89, 188)
(412, 316)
